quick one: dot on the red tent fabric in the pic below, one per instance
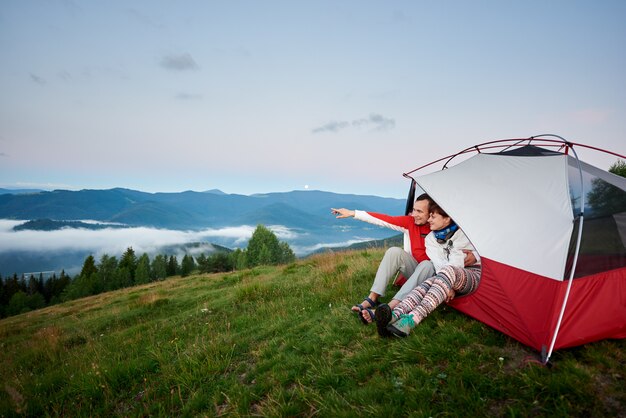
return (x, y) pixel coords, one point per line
(522, 305)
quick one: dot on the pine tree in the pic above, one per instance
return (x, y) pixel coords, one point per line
(122, 278)
(106, 269)
(187, 265)
(142, 274)
(202, 263)
(172, 266)
(48, 287)
(89, 266)
(159, 267)
(57, 288)
(33, 285)
(11, 286)
(129, 262)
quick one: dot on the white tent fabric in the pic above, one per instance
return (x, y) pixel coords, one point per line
(519, 200)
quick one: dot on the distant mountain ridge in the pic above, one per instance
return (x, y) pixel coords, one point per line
(50, 225)
(190, 210)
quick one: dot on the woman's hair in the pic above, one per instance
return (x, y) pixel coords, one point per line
(435, 208)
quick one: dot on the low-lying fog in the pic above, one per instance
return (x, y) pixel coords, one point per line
(114, 241)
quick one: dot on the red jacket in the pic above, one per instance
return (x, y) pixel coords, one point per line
(413, 234)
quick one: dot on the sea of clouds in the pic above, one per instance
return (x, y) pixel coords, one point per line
(114, 241)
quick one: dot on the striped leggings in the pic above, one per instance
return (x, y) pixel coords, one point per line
(449, 282)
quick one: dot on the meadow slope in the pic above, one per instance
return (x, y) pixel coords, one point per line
(281, 341)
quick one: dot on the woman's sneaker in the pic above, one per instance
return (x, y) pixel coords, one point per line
(402, 327)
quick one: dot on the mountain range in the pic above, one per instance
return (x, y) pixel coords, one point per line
(303, 217)
(190, 210)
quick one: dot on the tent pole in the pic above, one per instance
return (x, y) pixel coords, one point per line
(575, 261)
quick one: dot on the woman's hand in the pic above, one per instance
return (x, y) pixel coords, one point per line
(470, 258)
(342, 213)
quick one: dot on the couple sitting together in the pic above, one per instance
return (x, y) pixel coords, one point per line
(438, 261)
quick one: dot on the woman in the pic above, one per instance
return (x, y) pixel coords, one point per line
(444, 246)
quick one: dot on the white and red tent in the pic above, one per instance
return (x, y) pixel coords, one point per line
(551, 232)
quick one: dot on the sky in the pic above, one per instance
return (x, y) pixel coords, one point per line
(270, 96)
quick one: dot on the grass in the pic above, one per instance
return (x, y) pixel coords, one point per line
(281, 341)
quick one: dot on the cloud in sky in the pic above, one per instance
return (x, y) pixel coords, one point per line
(36, 79)
(377, 122)
(188, 96)
(332, 126)
(374, 122)
(64, 75)
(178, 62)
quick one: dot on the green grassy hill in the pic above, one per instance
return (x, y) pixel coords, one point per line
(281, 341)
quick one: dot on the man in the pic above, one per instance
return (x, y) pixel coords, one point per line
(411, 261)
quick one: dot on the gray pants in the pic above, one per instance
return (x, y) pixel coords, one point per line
(397, 259)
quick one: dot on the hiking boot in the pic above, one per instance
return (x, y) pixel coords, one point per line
(384, 317)
(402, 327)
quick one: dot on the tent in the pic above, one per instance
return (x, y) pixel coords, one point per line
(551, 232)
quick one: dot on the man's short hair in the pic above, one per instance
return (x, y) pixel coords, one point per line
(425, 196)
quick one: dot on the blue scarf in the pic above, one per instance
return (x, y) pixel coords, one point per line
(445, 234)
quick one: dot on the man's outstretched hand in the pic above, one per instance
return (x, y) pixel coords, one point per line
(342, 213)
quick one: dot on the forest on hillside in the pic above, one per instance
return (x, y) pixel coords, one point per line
(23, 294)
